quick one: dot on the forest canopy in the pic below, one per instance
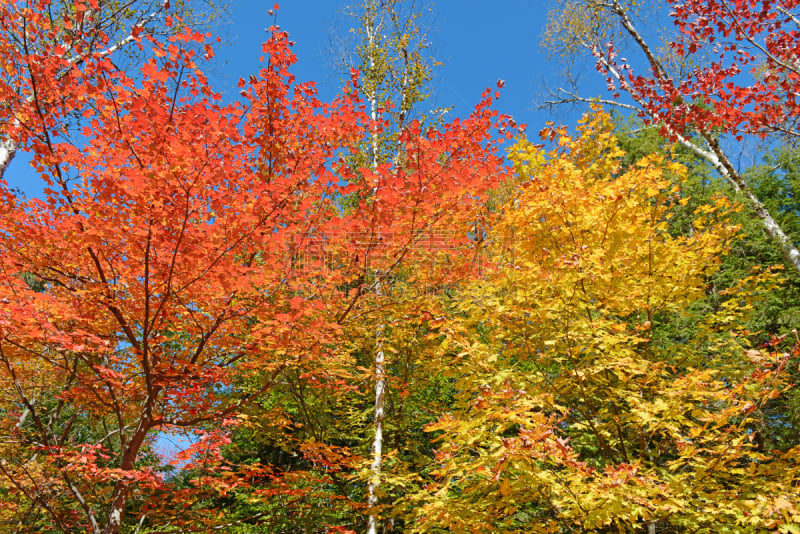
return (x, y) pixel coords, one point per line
(361, 316)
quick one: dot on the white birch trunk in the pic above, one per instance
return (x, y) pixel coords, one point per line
(8, 149)
(372, 28)
(714, 154)
(376, 12)
(377, 442)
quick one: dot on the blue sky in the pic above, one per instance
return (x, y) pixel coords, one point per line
(477, 43)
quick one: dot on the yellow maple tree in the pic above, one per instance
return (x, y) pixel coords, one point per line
(569, 417)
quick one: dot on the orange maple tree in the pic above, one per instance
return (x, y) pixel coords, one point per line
(162, 262)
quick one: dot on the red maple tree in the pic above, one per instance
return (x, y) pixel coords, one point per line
(162, 262)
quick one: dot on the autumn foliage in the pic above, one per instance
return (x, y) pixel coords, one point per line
(569, 414)
(757, 40)
(727, 72)
(227, 271)
(173, 253)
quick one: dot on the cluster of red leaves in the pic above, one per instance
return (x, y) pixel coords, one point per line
(750, 85)
(165, 250)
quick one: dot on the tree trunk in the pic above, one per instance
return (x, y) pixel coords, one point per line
(377, 442)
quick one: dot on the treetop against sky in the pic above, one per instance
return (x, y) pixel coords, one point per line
(398, 321)
(475, 44)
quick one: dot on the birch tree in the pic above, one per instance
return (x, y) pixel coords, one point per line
(393, 59)
(729, 67)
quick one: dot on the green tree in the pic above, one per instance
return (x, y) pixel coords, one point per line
(775, 312)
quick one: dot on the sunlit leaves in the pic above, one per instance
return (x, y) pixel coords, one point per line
(189, 257)
(568, 415)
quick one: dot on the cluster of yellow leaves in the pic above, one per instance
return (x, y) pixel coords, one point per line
(568, 416)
